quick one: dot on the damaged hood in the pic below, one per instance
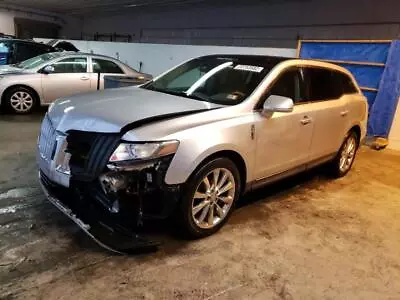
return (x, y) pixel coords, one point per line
(114, 109)
(10, 70)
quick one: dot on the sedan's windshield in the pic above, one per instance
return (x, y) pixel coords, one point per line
(226, 80)
(37, 61)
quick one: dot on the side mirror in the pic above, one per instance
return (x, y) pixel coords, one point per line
(48, 69)
(276, 103)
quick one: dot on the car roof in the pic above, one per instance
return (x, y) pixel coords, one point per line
(261, 59)
(73, 53)
(22, 41)
(275, 60)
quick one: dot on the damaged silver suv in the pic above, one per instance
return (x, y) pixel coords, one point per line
(187, 144)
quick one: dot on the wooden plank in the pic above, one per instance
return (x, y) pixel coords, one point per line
(347, 41)
(298, 49)
(361, 63)
(368, 89)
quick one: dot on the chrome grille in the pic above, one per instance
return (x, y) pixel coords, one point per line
(47, 139)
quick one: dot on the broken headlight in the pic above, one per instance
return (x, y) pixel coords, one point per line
(143, 151)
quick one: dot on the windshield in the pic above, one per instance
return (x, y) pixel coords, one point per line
(37, 61)
(216, 79)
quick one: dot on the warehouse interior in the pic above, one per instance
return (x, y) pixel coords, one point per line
(306, 237)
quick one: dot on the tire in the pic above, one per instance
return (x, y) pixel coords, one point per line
(191, 208)
(20, 100)
(344, 159)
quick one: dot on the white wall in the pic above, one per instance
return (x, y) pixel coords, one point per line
(157, 58)
(7, 22)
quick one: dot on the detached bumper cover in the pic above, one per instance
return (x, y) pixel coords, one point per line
(93, 221)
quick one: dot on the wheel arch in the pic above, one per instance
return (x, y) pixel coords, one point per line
(35, 93)
(208, 156)
(232, 155)
(357, 129)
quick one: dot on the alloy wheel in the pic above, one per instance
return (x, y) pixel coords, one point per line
(21, 101)
(213, 198)
(348, 153)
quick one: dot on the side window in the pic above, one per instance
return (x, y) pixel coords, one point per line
(289, 84)
(105, 66)
(323, 84)
(71, 65)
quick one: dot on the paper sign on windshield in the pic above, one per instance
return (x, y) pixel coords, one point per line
(249, 68)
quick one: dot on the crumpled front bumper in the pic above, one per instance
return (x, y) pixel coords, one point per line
(93, 221)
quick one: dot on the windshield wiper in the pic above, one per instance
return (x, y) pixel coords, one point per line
(198, 97)
(184, 94)
(180, 93)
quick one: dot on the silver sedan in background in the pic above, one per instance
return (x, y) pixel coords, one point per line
(45, 78)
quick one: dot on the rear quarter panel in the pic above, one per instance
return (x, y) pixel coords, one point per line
(358, 113)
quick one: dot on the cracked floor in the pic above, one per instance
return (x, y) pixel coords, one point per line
(308, 237)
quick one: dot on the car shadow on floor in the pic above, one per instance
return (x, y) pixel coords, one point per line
(167, 232)
(268, 193)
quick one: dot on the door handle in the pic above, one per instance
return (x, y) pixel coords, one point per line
(85, 78)
(306, 120)
(344, 113)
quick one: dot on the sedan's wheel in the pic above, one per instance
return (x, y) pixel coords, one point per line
(20, 100)
(343, 162)
(209, 198)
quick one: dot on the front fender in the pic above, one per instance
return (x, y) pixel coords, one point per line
(10, 81)
(199, 143)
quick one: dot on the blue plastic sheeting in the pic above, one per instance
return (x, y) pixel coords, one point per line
(366, 76)
(3, 58)
(371, 96)
(3, 53)
(384, 107)
(360, 52)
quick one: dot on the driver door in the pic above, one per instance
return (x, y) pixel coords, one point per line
(70, 76)
(284, 139)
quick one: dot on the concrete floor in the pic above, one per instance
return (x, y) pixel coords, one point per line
(306, 238)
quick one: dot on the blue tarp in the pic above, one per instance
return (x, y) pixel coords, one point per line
(382, 104)
(360, 52)
(383, 110)
(370, 97)
(366, 76)
(3, 58)
(3, 54)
